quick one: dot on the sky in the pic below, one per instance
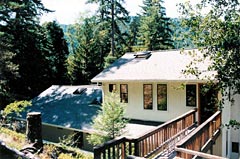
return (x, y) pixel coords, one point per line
(67, 11)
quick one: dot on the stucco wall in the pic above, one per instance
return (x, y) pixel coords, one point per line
(176, 101)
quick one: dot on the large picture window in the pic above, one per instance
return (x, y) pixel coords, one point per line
(191, 95)
(147, 96)
(162, 97)
(124, 93)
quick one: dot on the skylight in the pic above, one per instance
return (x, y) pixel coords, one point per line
(143, 54)
(80, 91)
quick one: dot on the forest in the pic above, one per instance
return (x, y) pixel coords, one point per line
(34, 56)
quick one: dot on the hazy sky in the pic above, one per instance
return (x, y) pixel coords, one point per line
(67, 11)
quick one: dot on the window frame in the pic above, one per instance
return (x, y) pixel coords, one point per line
(124, 94)
(151, 96)
(190, 95)
(165, 85)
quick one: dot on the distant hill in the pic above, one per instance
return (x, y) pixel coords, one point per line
(180, 38)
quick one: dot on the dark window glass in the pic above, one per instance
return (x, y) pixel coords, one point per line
(191, 95)
(235, 147)
(162, 97)
(124, 93)
(112, 88)
(147, 96)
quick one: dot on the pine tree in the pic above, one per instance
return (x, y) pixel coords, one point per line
(57, 52)
(113, 18)
(20, 21)
(84, 61)
(110, 121)
(154, 30)
(8, 70)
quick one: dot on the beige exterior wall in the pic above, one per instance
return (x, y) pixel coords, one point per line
(176, 101)
(230, 111)
(53, 134)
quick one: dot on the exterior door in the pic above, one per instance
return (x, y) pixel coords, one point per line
(207, 102)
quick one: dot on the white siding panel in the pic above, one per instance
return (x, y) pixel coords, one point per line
(176, 104)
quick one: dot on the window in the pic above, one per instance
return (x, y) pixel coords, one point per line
(191, 95)
(124, 93)
(162, 97)
(235, 147)
(147, 96)
(112, 88)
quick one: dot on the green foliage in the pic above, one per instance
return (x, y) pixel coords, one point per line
(23, 36)
(85, 61)
(217, 33)
(109, 60)
(57, 52)
(16, 107)
(233, 124)
(119, 25)
(110, 121)
(154, 31)
(71, 140)
(34, 55)
(8, 69)
(181, 38)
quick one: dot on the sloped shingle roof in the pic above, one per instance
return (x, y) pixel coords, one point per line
(160, 66)
(61, 107)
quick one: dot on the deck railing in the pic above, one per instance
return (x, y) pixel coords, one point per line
(148, 143)
(200, 140)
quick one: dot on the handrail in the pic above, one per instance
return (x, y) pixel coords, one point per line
(200, 154)
(200, 138)
(167, 123)
(148, 143)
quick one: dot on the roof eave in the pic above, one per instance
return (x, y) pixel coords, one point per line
(151, 80)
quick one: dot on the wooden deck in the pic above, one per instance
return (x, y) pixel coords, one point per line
(173, 136)
(149, 143)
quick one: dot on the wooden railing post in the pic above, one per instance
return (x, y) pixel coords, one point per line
(97, 153)
(136, 148)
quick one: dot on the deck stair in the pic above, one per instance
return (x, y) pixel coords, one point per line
(169, 152)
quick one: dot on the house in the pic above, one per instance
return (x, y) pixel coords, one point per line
(67, 110)
(154, 87)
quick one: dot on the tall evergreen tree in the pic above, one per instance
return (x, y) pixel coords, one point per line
(57, 52)
(133, 32)
(8, 70)
(111, 13)
(154, 30)
(84, 61)
(110, 121)
(20, 21)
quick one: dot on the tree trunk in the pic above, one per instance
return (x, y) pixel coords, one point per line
(113, 31)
